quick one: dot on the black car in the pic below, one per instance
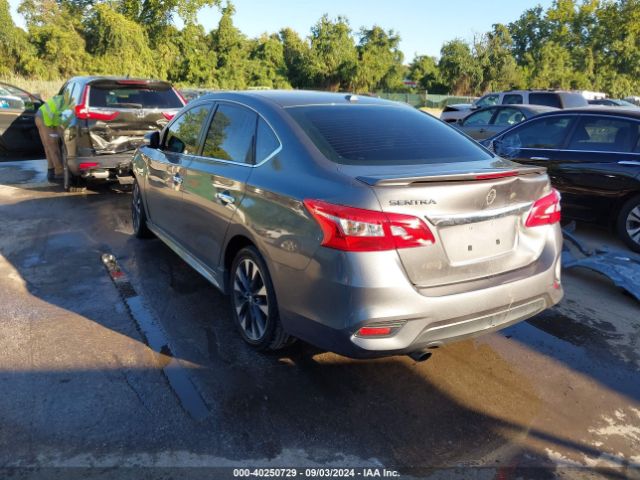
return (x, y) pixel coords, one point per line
(489, 121)
(109, 121)
(18, 133)
(593, 158)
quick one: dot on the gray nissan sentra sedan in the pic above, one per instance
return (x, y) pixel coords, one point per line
(362, 226)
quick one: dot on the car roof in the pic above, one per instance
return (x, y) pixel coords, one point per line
(298, 98)
(598, 110)
(92, 78)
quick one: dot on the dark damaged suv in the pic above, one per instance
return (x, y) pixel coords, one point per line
(110, 118)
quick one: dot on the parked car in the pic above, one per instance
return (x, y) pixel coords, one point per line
(457, 111)
(549, 98)
(18, 132)
(487, 122)
(360, 225)
(612, 102)
(593, 158)
(109, 121)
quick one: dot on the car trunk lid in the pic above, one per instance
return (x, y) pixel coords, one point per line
(118, 113)
(476, 211)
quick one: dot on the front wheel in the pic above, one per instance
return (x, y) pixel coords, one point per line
(628, 224)
(253, 301)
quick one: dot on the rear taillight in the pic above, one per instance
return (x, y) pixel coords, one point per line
(359, 230)
(495, 175)
(83, 111)
(374, 332)
(168, 115)
(87, 165)
(545, 211)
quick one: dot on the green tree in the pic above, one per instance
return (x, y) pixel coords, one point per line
(379, 65)
(267, 67)
(424, 71)
(297, 54)
(18, 56)
(155, 15)
(499, 68)
(231, 47)
(333, 58)
(459, 69)
(118, 45)
(55, 34)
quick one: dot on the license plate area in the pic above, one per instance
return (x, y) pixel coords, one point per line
(479, 241)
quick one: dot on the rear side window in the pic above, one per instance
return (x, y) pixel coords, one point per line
(114, 96)
(383, 135)
(479, 118)
(512, 99)
(542, 133)
(508, 116)
(488, 100)
(230, 136)
(601, 134)
(547, 99)
(266, 141)
(183, 134)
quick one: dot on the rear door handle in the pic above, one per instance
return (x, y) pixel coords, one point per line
(225, 198)
(539, 158)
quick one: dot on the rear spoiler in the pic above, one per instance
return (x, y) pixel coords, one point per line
(390, 180)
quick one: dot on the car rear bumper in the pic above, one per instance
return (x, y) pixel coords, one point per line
(340, 293)
(101, 166)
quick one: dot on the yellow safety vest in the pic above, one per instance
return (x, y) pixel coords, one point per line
(51, 111)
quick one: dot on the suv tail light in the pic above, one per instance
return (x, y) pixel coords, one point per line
(83, 111)
(359, 230)
(545, 211)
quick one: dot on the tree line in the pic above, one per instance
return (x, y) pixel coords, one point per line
(590, 45)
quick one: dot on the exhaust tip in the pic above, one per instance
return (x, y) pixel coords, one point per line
(420, 356)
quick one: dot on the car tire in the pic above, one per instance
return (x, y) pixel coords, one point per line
(253, 302)
(72, 183)
(628, 223)
(139, 214)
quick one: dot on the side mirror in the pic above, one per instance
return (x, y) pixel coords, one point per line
(460, 121)
(152, 139)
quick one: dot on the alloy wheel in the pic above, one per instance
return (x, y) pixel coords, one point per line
(633, 224)
(250, 299)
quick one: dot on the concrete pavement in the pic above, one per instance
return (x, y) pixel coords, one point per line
(83, 387)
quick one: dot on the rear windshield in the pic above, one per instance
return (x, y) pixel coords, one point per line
(384, 135)
(132, 97)
(548, 99)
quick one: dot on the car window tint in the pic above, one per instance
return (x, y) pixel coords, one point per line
(116, 96)
(487, 101)
(548, 99)
(603, 134)
(230, 136)
(542, 133)
(512, 99)
(479, 118)
(266, 141)
(384, 135)
(507, 117)
(183, 134)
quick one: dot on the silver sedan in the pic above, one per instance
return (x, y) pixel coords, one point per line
(359, 225)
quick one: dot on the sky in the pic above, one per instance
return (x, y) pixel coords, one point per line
(423, 25)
